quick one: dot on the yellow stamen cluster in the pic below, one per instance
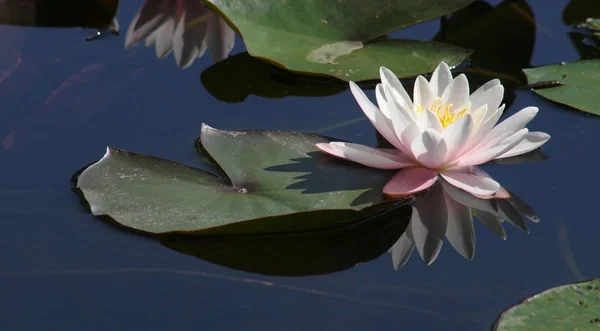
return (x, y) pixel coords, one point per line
(443, 112)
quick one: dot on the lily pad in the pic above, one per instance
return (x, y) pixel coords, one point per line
(568, 307)
(299, 254)
(580, 79)
(269, 182)
(341, 38)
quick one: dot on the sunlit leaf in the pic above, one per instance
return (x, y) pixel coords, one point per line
(274, 180)
(581, 81)
(568, 307)
(340, 38)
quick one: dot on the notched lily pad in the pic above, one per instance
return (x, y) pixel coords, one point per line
(271, 181)
(568, 307)
(580, 83)
(341, 38)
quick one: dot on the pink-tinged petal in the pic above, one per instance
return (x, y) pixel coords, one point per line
(460, 232)
(457, 135)
(440, 79)
(398, 92)
(491, 222)
(508, 127)
(409, 181)
(486, 154)
(427, 119)
(422, 93)
(501, 194)
(367, 156)
(457, 93)
(465, 198)
(365, 104)
(138, 32)
(430, 149)
(474, 184)
(490, 94)
(164, 39)
(428, 224)
(403, 248)
(532, 141)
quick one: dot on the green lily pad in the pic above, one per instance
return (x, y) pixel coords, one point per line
(269, 182)
(341, 38)
(580, 79)
(568, 307)
(300, 254)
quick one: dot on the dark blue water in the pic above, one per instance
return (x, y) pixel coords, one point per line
(62, 269)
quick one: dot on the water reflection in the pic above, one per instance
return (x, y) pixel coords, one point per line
(447, 211)
(300, 254)
(185, 27)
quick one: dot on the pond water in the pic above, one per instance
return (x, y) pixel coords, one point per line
(64, 100)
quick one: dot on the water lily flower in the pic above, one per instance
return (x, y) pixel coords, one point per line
(447, 211)
(444, 131)
(185, 27)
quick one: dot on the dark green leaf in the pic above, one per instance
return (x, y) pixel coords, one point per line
(277, 181)
(581, 81)
(339, 38)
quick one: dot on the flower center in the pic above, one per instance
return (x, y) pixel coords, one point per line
(443, 111)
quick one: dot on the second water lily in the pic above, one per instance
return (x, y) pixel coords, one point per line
(444, 131)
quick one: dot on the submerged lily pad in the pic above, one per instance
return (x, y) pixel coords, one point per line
(581, 83)
(341, 38)
(568, 307)
(270, 181)
(299, 254)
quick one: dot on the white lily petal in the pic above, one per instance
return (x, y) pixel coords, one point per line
(457, 93)
(404, 126)
(221, 38)
(428, 224)
(457, 135)
(481, 131)
(479, 115)
(367, 156)
(164, 39)
(429, 120)
(483, 155)
(531, 141)
(185, 40)
(430, 149)
(491, 222)
(490, 94)
(460, 231)
(465, 198)
(403, 248)
(474, 184)
(398, 92)
(422, 93)
(141, 27)
(382, 101)
(508, 127)
(440, 79)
